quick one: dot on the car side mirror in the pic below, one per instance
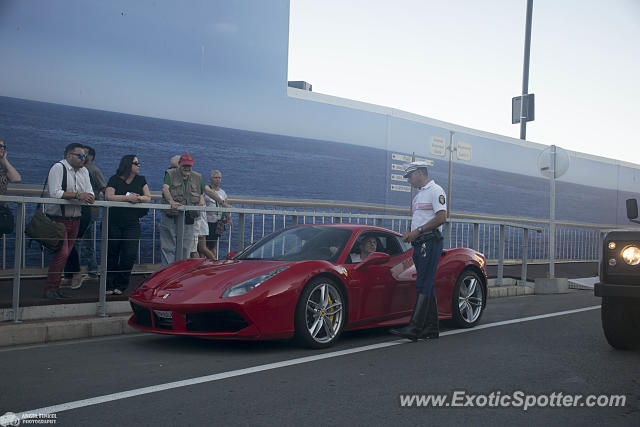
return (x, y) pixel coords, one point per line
(632, 210)
(375, 258)
(231, 254)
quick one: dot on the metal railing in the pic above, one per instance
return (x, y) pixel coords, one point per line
(501, 239)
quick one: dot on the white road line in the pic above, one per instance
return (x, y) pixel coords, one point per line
(261, 368)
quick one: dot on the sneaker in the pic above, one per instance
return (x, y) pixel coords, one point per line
(109, 292)
(76, 281)
(117, 292)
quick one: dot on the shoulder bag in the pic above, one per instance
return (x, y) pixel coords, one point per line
(44, 230)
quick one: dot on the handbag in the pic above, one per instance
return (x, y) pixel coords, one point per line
(6, 220)
(221, 226)
(45, 231)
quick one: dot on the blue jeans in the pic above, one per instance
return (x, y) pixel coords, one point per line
(168, 229)
(426, 263)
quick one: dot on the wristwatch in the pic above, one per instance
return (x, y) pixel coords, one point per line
(419, 230)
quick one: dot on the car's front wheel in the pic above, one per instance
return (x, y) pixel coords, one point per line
(621, 322)
(320, 313)
(468, 299)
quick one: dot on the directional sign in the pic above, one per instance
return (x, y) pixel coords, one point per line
(404, 188)
(463, 151)
(438, 146)
(407, 159)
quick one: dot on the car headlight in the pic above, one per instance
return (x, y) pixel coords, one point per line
(631, 255)
(247, 285)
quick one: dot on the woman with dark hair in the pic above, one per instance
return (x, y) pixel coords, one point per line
(127, 185)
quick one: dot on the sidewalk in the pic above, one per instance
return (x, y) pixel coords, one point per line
(45, 321)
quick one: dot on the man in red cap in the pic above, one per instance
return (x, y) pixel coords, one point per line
(182, 187)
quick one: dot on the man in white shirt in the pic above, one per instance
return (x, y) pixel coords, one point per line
(78, 188)
(429, 213)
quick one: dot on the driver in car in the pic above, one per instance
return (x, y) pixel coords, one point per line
(367, 246)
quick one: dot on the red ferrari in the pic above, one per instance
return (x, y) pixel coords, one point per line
(305, 282)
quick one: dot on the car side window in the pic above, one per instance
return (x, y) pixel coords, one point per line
(391, 245)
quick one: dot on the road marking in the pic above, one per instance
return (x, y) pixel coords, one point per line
(261, 368)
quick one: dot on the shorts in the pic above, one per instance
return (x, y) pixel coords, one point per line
(200, 228)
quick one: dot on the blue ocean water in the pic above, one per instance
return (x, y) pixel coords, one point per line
(261, 164)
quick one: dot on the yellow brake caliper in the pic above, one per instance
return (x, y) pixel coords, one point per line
(331, 310)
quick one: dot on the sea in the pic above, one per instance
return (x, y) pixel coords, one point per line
(270, 165)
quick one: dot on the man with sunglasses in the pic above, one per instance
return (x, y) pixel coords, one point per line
(84, 241)
(78, 188)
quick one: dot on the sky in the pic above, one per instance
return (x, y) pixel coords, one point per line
(226, 63)
(462, 62)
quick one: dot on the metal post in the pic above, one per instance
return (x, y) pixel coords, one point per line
(525, 256)
(153, 239)
(500, 256)
(17, 264)
(180, 234)
(552, 217)
(451, 150)
(525, 70)
(476, 236)
(241, 221)
(600, 250)
(104, 249)
(447, 235)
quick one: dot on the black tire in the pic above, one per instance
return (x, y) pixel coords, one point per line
(621, 322)
(468, 299)
(318, 324)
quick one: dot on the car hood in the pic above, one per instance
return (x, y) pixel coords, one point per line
(212, 275)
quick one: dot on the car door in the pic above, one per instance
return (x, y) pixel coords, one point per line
(386, 289)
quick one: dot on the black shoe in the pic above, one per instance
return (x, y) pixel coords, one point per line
(414, 329)
(431, 328)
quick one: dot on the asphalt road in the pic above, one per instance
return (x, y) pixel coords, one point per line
(83, 382)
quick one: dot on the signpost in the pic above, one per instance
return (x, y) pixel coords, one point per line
(553, 162)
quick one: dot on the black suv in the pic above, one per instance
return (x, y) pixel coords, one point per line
(619, 285)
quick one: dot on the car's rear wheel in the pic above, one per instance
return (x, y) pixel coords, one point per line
(621, 322)
(320, 313)
(468, 299)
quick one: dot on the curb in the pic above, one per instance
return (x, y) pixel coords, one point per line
(510, 291)
(45, 331)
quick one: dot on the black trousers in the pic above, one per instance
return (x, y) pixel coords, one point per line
(122, 253)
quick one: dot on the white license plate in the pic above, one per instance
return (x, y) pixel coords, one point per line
(163, 314)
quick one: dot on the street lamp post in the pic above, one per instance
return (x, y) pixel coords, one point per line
(525, 72)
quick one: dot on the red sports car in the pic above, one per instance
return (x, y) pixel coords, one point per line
(304, 282)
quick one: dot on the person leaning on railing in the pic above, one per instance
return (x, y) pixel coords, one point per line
(78, 187)
(127, 185)
(7, 172)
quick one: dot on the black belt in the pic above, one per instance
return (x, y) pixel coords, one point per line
(426, 236)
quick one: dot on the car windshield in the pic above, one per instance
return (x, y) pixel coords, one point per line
(300, 244)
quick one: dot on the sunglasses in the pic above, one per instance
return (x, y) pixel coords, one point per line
(3, 147)
(136, 163)
(80, 156)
